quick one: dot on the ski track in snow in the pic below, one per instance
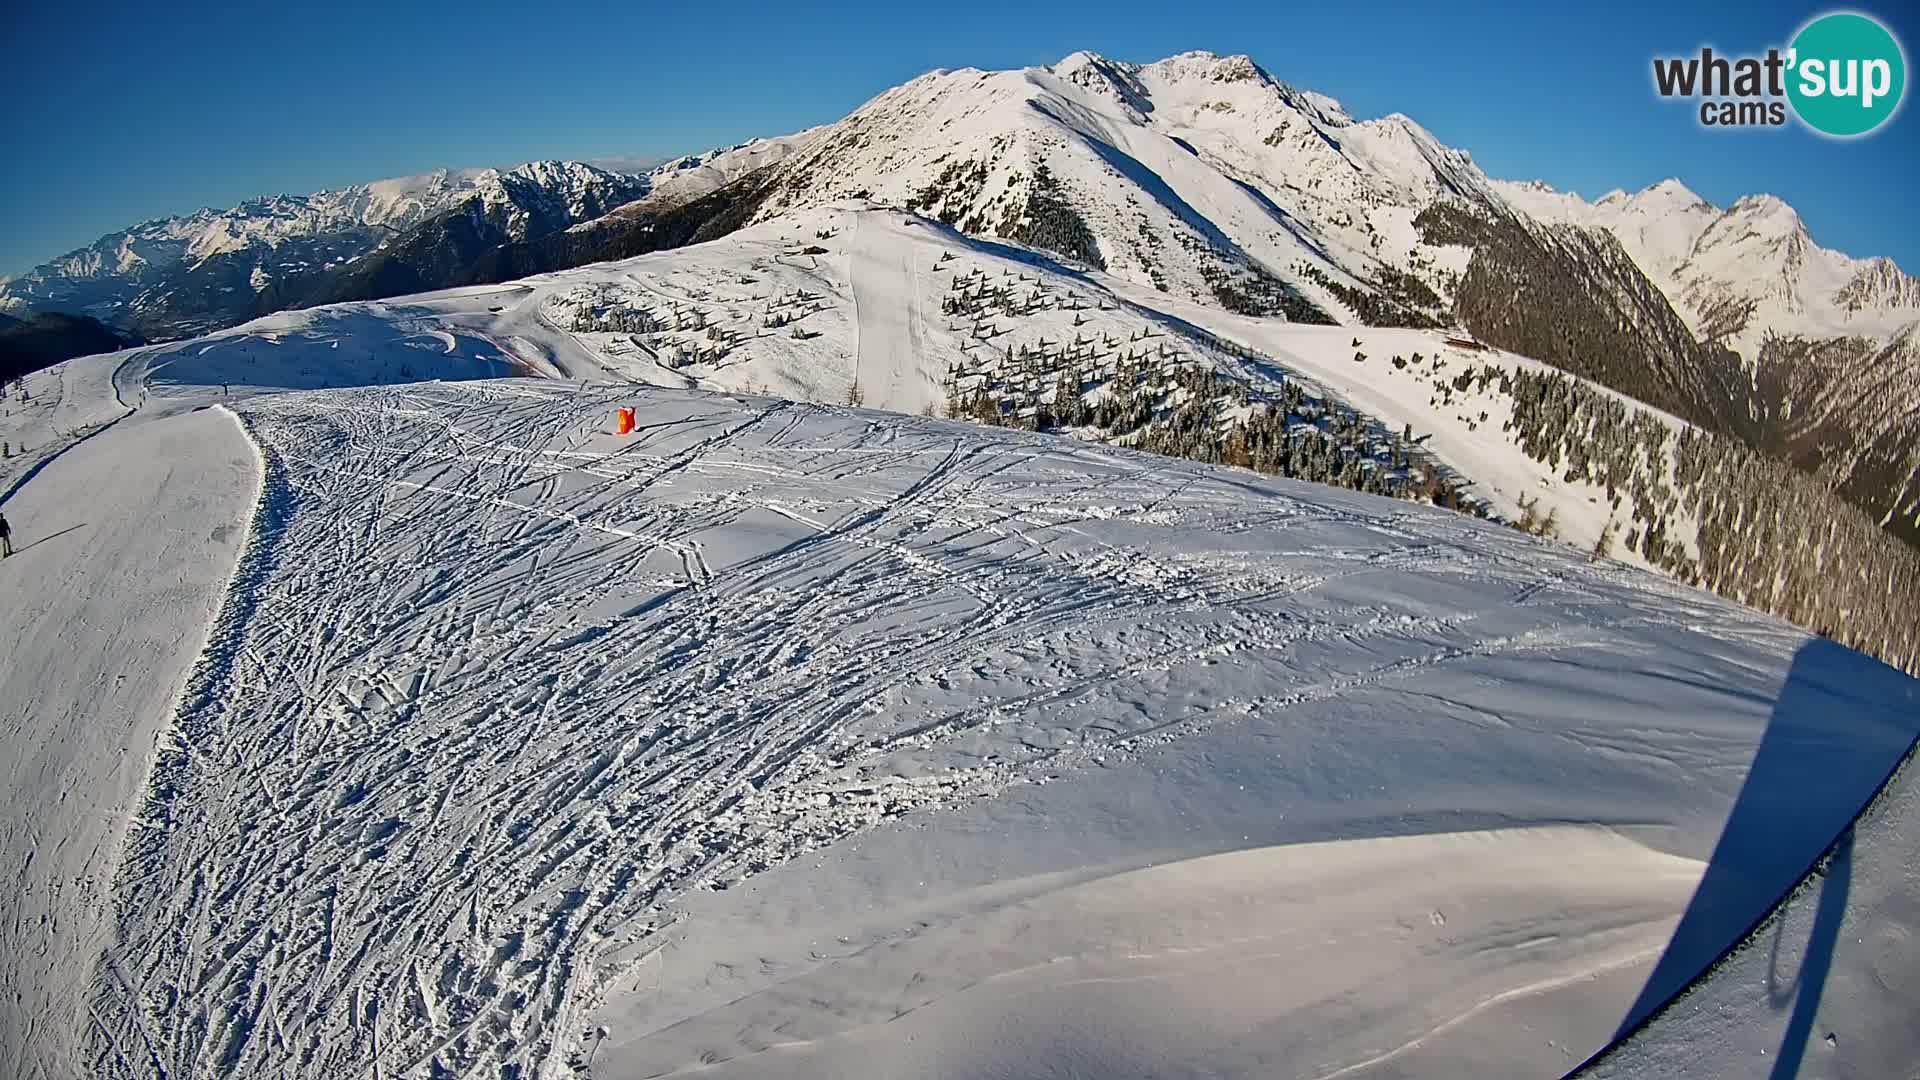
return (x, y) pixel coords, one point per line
(504, 688)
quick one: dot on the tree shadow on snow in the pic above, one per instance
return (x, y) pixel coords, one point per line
(1840, 726)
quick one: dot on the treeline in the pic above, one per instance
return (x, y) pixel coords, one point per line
(1246, 288)
(1051, 222)
(680, 334)
(1159, 399)
(1397, 300)
(45, 338)
(953, 196)
(1847, 411)
(1045, 218)
(1765, 534)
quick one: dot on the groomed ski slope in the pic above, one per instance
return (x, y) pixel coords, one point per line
(787, 729)
(123, 548)
(129, 514)
(891, 363)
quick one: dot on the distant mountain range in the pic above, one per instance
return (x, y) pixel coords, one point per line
(179, 276)
(1200, 175)
(1829, 346)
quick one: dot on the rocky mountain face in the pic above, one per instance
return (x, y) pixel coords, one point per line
(1572, 296)
(1847, 409)
(666, 219)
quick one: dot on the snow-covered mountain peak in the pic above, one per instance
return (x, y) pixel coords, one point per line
(1322, 108)
(557, 191)
(1740, 274)
(1200, 65)
(1541, 199)
(673, 167)
(1232, 85)
(561, 173)
(1765, 227)
(1666, 218)
(695, 175)
(1658, 200)
(1111, 79)
(1188, 173)
(407, 196)
(578, 186)
(1770, 210)
(1670, 194)
(1400, 125)
(1074, 66)
(1406, 163)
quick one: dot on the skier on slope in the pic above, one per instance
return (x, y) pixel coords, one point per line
(6, 537)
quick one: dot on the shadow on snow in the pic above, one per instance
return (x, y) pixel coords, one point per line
(1840, 727)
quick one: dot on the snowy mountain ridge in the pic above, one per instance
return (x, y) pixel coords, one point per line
(1200, 174)
(856, 303)
(1829, 339)
(1208, 180)
(695, 175)
(1244, 173)
(1744, 273)
(1227, 152)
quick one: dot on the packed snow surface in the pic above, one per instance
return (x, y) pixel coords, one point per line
(124, 545)
(783, 737)
(500, 699)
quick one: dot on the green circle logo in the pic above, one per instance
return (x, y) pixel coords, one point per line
(1848, 74)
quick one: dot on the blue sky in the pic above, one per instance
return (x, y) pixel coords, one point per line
(123, 112)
